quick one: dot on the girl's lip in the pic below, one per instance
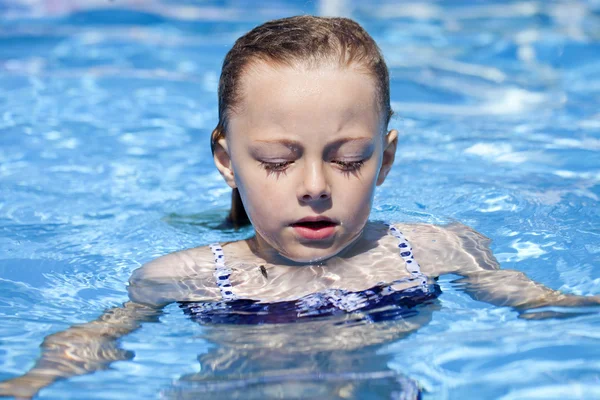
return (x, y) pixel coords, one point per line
(316, 233)
(315, 228)
(315, 219)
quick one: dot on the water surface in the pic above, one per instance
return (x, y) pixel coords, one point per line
(105, 114)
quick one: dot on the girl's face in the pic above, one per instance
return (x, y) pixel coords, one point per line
(306, 148)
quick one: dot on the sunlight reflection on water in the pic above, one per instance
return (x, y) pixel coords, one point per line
(105, 113)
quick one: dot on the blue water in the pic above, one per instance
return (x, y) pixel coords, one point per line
(105, 114)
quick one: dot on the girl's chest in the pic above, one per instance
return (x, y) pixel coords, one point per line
(251, 278)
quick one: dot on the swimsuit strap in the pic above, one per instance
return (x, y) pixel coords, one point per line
(406, 252)
(222, 273)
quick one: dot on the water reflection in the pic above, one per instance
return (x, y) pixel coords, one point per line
(327, 358)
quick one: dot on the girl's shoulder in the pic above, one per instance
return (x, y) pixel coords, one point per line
(180, 276)
(448, 249)
(176, 264)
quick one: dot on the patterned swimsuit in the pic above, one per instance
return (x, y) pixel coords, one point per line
(379, 303)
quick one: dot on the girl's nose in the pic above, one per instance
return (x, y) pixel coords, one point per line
(315, 186)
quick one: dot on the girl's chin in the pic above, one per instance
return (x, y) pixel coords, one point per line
(300, 261)
(309, 259)
(309, 255)
(304, 253)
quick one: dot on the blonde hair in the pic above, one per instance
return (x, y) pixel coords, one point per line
(289, 41)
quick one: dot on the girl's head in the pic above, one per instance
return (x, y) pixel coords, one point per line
(303, 113)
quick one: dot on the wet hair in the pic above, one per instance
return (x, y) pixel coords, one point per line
(305, 40)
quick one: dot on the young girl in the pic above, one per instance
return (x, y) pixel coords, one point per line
(303, 141)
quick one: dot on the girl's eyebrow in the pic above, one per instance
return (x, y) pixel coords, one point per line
(294, 144)
(258, 145)
(284, 142)
(290, 144)
(359, 140)
(297, 148)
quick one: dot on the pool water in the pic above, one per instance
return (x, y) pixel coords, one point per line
(105, 114)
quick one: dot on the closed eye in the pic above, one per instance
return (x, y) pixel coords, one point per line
(349, 167)
(280, 167)
(276, 168)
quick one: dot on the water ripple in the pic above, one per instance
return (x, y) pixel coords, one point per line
(107, 108)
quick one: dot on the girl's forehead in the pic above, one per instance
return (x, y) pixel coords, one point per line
(308, 75)
(305, 95)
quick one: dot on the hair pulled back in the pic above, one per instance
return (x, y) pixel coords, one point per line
(306, 40)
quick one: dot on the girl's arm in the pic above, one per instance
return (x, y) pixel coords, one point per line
(514, 289)
(92, 346)
(81, 349)
(458, 249)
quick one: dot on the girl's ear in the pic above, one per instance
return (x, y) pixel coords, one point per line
(389, 154)
(223, 162)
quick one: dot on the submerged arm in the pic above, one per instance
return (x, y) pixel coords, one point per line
(465, 252)
(514, 289)
(93, 346)
(81, 349)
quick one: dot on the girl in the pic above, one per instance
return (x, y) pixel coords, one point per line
(303, 141)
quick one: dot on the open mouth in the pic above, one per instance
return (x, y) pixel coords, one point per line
(314, 225)
(315, 228)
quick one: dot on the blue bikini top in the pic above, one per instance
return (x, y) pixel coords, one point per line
(381, 302)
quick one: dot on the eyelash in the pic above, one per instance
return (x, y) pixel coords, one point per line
(277, 168)
(350, 166)
(281, 167)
